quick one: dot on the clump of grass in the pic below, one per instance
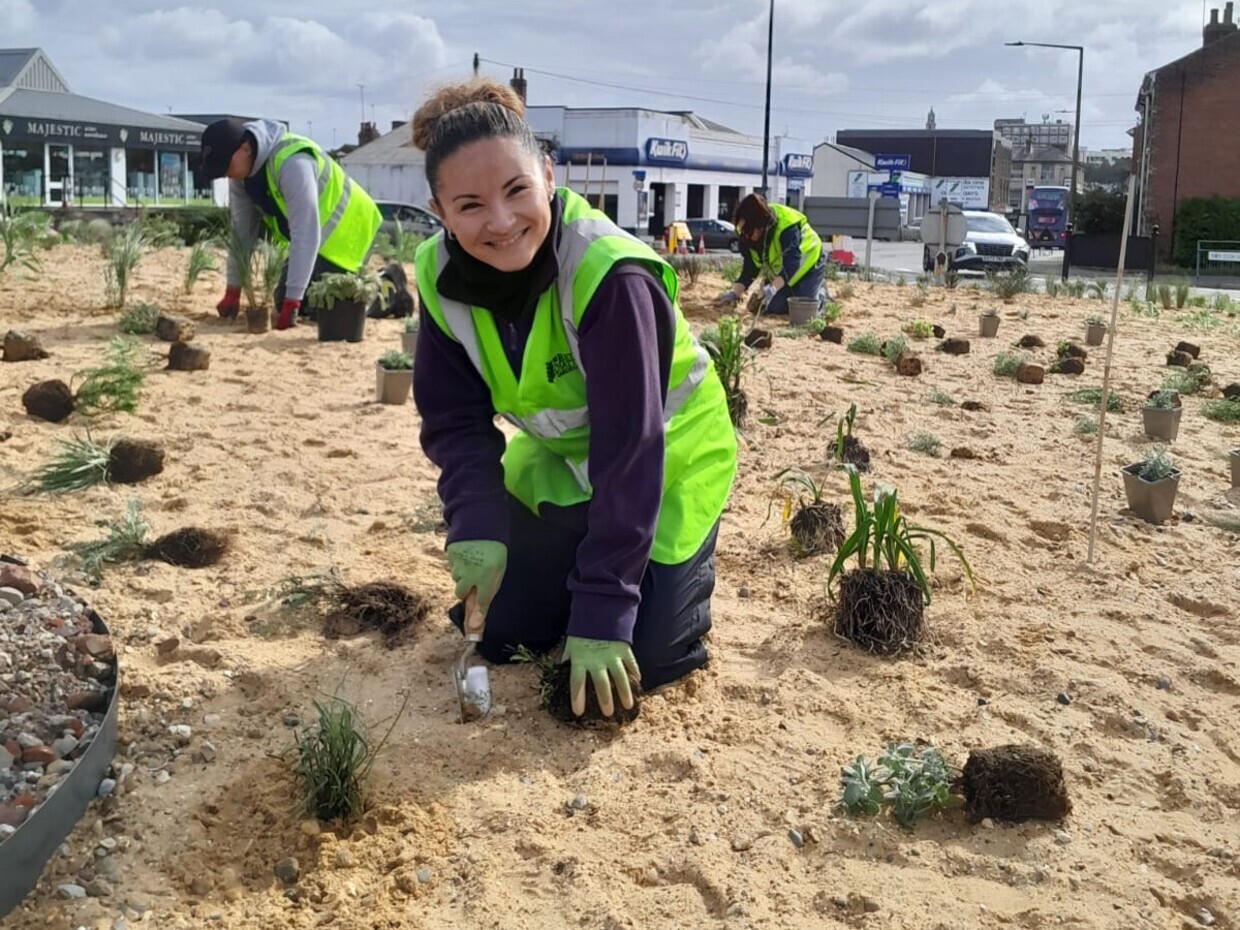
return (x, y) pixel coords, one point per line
(892, 349)
(731, 270)
(1006, 363)
(689, 267)
(1086, 426)
(926, 444)
(125, 541)
(1074, 288)
(1181, 295)
(113, 387)
(1052, 285)
(1009, 284)
(941, 398)
(80, 463)
(1187, 380)
(866, 344)
(335, 758)
(1095, 290)
(138, 319)
(1165, 296)
(201, 260)
(1222, 410)
(122, 254)
(733, 359)
(831, 312)
(918, 329)
(845, 291)
(1092, 397)
(909, 781)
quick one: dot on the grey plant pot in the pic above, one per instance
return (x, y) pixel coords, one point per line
(409, 342)
(392, 387)
(989, 326)
(1152, 501)
(801, 310)
(1094, 334)
(1161, 424)
(1235, 468)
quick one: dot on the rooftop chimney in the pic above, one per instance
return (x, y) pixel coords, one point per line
(518, 82)
(1216, 30)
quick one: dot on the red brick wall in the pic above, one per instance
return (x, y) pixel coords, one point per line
(1206, 147)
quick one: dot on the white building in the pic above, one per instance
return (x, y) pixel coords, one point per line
(390, 168)
(648, 168)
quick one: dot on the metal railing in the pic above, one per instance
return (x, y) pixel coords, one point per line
(1217, 259)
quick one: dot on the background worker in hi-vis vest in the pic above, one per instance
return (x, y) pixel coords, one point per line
(778, 244)
(302, 195)
(597, 520)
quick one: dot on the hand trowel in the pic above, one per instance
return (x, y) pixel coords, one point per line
(470, 676)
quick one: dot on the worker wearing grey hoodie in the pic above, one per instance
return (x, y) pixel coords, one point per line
(289, 183)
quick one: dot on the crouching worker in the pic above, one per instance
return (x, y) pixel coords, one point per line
(779, 244)
(597, 520)
(303, 197)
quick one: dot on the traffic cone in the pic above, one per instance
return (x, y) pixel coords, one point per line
(684, 247)
(701, 249)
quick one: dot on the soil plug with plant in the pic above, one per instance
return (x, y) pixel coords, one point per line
(733, 359)
(49, 400)
(82, 463)
(113, 387)
(847, 448)
(881, 603)
(391, 609)
(556, 698)
(138, 319)
(122, 254)
(125, 542)
(816, 526)
(189, 547)
(1014, 784)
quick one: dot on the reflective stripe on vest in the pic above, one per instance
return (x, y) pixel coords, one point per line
(576, 237)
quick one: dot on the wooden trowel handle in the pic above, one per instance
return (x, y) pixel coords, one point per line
(475, 619)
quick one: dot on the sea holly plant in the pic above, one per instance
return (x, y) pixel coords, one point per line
(911, 782)
(332, 289)
(884, 539)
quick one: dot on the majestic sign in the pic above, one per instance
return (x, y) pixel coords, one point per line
(798, 166)
(25, 129)
(667, 151)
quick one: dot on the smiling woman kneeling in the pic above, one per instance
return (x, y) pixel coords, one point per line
(598, 519)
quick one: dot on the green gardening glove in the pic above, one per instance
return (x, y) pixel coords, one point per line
(608, 662)
(478, 564)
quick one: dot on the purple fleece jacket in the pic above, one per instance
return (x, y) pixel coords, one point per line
(625, 336)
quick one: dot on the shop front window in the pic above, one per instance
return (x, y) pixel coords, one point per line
(23, 174)
(140, 175)
(90, 176)
(172, 177)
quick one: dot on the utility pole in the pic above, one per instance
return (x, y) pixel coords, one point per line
(766, 129)
(477, 62)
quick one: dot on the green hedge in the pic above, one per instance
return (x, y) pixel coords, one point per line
(1100, 212)
(1199, 219)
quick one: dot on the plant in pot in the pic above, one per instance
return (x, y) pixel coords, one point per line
(881, 603)
(1150, 486)
(1095, 330)
(1161, 415)
(816, 526)
(341, 300)
(989, 322)
(393, 377)
(409, 336)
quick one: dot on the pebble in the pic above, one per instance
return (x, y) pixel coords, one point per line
(108, 843)
(288, 870)
(207, 751)
(797, 839)
(65, 745)
(98, 888)
(344, 859)
(11, 597)
(69, 891)
(423, 875)
(1064, 698)
(987, 823)
(211, 720)
(1062, 837)
(291, 719)
(743, 593)
(162, 777)
(181, 733)
(1205, 918)
(578, 803)
(1164, 683)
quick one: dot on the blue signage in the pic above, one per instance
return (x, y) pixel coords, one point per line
(888, 189)
(667, 151)
(798, 166)
(893, 162)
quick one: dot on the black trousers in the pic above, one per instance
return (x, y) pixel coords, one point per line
(814, 284)
(532, 605)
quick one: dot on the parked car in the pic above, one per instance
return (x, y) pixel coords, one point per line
(719, 234)
(990, 242)
(412, 218)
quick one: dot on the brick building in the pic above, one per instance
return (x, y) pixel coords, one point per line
(1186, 141)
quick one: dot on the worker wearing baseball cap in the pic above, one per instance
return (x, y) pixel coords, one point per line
(302, 195)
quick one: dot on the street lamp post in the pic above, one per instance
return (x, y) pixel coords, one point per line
(766, 129)
(1076, 131)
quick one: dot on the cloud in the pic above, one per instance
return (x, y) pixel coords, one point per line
(16, 16)
(741, 52)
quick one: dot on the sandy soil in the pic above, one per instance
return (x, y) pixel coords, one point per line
(686, 814)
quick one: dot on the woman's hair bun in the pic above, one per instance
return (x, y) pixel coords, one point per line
(454, 96)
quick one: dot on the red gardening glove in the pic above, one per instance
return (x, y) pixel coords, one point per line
(228, 307)
(288, 312)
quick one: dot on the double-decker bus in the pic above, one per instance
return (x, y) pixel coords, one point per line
(1047, 224)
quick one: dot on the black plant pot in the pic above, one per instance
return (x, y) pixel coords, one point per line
(343, 322)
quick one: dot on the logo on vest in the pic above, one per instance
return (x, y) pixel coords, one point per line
(560, 365)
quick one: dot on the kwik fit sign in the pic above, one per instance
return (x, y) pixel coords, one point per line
(798, 166)
(667, 151)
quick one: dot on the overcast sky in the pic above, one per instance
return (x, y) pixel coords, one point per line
(839, 64)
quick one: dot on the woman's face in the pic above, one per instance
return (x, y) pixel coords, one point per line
(494, 196)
